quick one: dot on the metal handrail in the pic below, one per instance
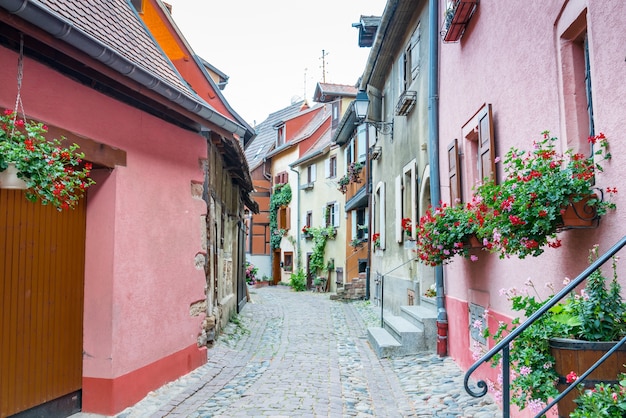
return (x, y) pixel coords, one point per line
(504, 344)
(382, 289)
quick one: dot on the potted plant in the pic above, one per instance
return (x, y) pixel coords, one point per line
(356, 244)
(251, 272)
(51, 174)
(376, 240)
(523, 213)
(595, 315)
(407, 226)
(603, 400)
(446, 231)
(343, 183)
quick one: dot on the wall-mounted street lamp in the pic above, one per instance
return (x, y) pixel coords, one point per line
(361, 106)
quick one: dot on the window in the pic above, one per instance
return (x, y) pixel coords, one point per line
(331, 214)
(281, 178)
(379, 213)
(288, 261)
(350, 153)
(359, 224)
(280, 135)
(283, 217)
(331, 167)
(411, 59)
(478, 151)
(408, 202)
(310, 173)
(309, 219)
(575, 68)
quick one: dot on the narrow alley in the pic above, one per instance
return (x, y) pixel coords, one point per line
(294, 354)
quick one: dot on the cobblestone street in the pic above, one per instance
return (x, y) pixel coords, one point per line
(292, 354)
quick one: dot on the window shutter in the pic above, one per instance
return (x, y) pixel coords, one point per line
(354, 224)
(336, 217)
(287, 217)
(381, 215)
(327, 168)
(286, 177)
(326, 215)
(453, 172)
(361, 145)
(399, 209)
(487, 150)
(313, 172)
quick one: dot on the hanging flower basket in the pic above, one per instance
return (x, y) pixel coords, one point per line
(10, 180)
(53, 175)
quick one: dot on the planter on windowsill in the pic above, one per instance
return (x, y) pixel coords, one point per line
(580, 215)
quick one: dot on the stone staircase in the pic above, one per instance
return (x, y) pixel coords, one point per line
(411, 332)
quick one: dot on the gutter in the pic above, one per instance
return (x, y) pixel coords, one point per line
(433, 160)
(390, 10)
(58, 27)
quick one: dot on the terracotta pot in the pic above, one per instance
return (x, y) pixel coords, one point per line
(578, 356)
(10, 180)
(261, 284)
(580, 214)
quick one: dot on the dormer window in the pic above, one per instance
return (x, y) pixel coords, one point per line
(280, 135)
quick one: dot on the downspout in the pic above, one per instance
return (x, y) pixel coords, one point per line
(298, 254)
(433, 157)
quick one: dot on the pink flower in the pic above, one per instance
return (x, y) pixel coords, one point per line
(474, 257)
(571, 377)
(525, 370)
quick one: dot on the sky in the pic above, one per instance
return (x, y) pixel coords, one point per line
(272, 50)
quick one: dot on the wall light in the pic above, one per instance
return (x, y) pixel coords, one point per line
(361, 107)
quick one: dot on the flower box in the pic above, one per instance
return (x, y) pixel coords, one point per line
(580, 214)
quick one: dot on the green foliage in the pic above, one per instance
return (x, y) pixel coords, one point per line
(280, 197)
(444, 232)
(523, 213)
(605, 400)
(594, 314)
(298, 281)
(319, 235)
(53, 174)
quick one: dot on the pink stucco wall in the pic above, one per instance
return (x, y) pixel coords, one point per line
(143, 228)
(509, 57)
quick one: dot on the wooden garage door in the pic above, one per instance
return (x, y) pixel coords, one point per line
(42, 258)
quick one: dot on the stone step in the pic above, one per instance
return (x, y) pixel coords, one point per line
(410, 336)
(383, 343)
(426, 317)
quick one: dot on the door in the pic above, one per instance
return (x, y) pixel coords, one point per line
(242, 295)
(276, 272)
(42, 263)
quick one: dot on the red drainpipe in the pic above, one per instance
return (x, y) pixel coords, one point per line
(442, 338)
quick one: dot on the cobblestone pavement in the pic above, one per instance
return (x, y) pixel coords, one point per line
(291, 354)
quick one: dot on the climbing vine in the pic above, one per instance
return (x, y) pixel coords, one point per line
(319, 235)
(280, 197)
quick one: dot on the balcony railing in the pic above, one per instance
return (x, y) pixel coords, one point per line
(456, 19)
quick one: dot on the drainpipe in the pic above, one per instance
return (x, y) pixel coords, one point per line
(298, 256)
(433, 157)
